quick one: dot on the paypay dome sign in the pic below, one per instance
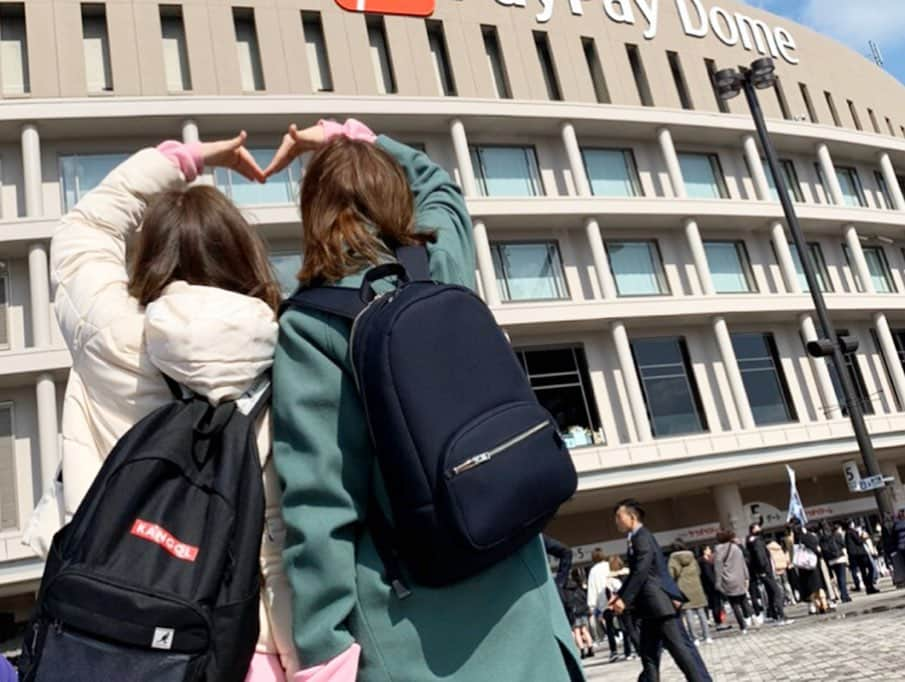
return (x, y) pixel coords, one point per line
(697, 19)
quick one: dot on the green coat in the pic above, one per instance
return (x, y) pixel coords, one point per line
(504, 624)
(684, 569)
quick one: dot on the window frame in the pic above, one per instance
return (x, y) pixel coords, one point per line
(502, 277)
(16, 10)
(884, 263)
(716, 168)
(883, 191)
(656, 258)
(173, 13)
(439, 49)
(312, 20)
(292, 183)
(78, 190)
(536, 180)
(17, 529)
(855, 177)
(778, 373)
(741, 250)
(631, 167)
(819, 263)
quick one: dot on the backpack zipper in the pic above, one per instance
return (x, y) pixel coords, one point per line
(488, 455)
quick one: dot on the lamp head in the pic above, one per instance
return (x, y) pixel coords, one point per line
(763, 73)
(728, 83)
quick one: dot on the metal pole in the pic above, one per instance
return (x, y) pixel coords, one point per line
(862, 436)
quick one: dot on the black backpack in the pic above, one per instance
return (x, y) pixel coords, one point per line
(157, 575)
(473, 465)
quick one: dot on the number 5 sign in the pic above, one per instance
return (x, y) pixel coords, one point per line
(408, 8)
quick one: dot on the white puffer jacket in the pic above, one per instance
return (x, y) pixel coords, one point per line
(215, 342)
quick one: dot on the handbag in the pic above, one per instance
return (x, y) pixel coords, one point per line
(804, 558)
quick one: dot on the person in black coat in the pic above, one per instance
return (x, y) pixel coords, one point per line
(859, 560)
(760, 568)
(708, 580)
(563, 554)
(653, 596)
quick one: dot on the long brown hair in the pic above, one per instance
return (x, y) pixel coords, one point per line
(197, 235)
(356, 203)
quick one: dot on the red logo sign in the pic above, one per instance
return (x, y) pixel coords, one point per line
(161, 536)
(406, 8)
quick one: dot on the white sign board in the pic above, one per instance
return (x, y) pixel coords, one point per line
(871, 483)
(852, 475)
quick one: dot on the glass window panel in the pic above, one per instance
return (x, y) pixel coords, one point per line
(789, 177)
(248, 50)
(286, 267)
(279, 189)
(14, 53)
(823, 277)
(96, 47)
(316, 51)
(636, 268)
(879, 270)
(611, 172)
(506, 171)
(80, 173)
(851, 187)
(175, 51)
(729, 268)
(527, 272)
(9, 493)
(703, 179)
(762, 375)
(554, 361)
(854, 373)
(669, 388)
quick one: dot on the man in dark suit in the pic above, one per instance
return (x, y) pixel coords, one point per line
(653, 596)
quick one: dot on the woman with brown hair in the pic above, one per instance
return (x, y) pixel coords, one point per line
(196, 302)
(732, 579)
(362, 196)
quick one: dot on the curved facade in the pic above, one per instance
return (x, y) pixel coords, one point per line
(629, 239)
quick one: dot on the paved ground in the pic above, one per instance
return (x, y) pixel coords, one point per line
(864, 640)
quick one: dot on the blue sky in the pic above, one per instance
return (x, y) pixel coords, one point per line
(853, 22)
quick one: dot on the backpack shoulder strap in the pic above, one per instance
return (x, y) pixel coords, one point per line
(416, 262)
(341, 301)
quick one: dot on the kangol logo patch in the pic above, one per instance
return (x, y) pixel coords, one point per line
(407, 8)
(161, 536)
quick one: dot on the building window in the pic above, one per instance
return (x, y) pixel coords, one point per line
(4, 306)
(9, 489)
(13, 50)
(790, 178)
(819, 264)
(670, 390)
(831, 104)
(721, 104)
(506, 171)
(496, 62)
(281, 188)
(595, 68)
(381, 59)
(436, 38)
(703, 176)
(873, 120)
(529, 272)
(81, 173)
(247, 46)
(765, 383)
(883, 190)
(612, 172)
(808, 103)
(286, 267)
(635, 61)
(547, 65)
(96, 44)
(730, 268)
(175, 49)
(316, 51)
(781, 99)
(850, 183)
(854, 114)
(562, 384)
(877, 267)
(637, 268)
(862, 395)
(678, 77)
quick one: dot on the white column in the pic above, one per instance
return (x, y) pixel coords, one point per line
(730, 508)
(784, 256)
(576, 162)
(671, 159)
(859, 262)
(39, 290)
(758, 173)
(632, 382)
(31, 171)
(829, 174)
(190, 132)
(699, 255)
(485, 264)
(48, 427)
(601, 263)
(733, 373)
(898, 490)
(892, 182)
(888, 346)
(463, 158)
(828, 398)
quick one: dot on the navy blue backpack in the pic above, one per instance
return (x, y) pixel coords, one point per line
(473, 465)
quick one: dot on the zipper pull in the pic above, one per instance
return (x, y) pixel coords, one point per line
(468, 464)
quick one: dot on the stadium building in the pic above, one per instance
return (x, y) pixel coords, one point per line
(629, 238)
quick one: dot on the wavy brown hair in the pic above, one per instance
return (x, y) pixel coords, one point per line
(356, 204)
(198, 236)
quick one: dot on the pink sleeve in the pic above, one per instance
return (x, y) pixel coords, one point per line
(186, 157)
(265, 668)
(352, 128)
(343, 668)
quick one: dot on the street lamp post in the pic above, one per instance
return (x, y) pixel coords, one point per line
(729, 83)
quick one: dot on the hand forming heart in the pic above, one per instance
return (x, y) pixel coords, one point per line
(232, 153)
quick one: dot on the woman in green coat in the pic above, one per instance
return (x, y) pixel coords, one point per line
(507, 623)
